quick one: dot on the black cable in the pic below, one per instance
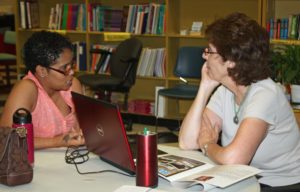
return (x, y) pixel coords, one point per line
(79, 155)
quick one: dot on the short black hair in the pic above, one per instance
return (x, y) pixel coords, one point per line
(242, 40)
(43, 48)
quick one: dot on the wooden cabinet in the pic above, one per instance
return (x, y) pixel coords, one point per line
(180, 14)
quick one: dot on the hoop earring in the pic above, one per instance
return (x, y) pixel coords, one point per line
(43, 75)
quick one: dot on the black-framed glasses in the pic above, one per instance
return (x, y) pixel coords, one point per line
(66, 72)
(207, 51)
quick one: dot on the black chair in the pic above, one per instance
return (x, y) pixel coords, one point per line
(188, 65)
(122, 64)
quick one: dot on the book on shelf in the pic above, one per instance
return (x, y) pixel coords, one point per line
(100, 57)
(124, 17)
(106, 18)
(112, 20)
(29, 14)
(152, 62)
(160, 103)
(284, 28)
(185, 172)
(81, 19)
(23, 15)
(161, 19)
(147, 18)
(293, 26)
(129, 18)
(80, 55)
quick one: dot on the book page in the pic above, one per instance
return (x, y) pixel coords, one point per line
(224, 175)
(126, 188)
(191, 184)
(172, 167)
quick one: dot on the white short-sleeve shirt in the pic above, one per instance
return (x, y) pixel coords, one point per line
(278, 156)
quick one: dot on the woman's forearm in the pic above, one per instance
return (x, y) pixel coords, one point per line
(191, 124)
(42, 143)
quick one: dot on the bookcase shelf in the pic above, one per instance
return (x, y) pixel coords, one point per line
(180, 14)
(285, 42)
(281, 9)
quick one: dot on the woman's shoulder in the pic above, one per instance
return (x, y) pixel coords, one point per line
(26, 89)
(267, 86)
(26, 85)
(23, 95)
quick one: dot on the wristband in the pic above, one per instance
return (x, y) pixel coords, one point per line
(204, 149)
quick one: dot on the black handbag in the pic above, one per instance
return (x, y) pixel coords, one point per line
(14, 166)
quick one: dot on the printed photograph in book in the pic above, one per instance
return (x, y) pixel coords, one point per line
(170, 165)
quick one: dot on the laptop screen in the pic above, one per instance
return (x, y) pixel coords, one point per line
(103, 131)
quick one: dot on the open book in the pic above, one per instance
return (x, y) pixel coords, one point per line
(185, 172)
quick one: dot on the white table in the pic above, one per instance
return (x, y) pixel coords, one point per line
(52, 174)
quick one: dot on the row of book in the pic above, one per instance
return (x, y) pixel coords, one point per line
(146, 19)
(284, 28)
(138, 18)
(141, 106)
(100, 58)
(68, 16)
(29, 14)
(152, 62)
(105, 18)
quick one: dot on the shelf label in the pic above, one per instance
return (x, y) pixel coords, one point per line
(62, 32)
(115, 36)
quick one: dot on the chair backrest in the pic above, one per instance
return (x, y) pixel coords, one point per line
(189, 62)
(123, 62)
(10, 37)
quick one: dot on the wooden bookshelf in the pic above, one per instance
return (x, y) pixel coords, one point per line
(179, 15)
(278, 9)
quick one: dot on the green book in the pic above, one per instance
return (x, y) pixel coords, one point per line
(64, 17)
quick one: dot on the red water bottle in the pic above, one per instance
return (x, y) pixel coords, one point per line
(146, 165)
(22, 118)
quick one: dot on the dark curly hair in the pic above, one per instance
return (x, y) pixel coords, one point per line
(242, 40)
(43, 48)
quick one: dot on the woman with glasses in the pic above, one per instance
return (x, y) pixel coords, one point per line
(46, 91)
(238, 101)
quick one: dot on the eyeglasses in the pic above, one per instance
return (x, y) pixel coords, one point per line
(66, 72)
(207, 51)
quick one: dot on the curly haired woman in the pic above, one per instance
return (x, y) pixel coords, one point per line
(257, 122)
(46, 91)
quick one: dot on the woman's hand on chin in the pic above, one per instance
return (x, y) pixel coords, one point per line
(206, 79)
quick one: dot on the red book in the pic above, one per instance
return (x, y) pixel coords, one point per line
(274, 29)
(69, 18)
(278, 29)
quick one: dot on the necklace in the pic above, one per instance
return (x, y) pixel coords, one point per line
(236, 111)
